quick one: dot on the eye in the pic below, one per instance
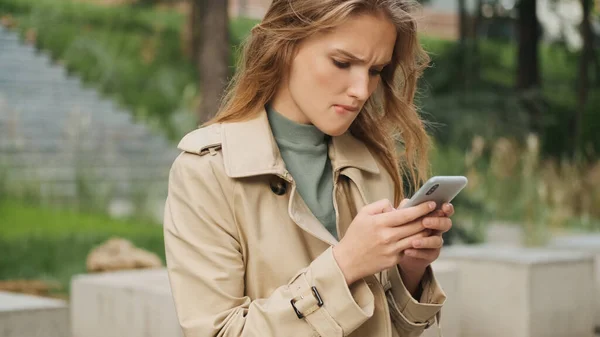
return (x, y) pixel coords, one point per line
(375, 72)
(341, 65)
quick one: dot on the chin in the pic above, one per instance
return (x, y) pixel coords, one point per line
(338, 132)
(334, 130)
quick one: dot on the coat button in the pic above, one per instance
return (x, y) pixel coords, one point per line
(279, 187)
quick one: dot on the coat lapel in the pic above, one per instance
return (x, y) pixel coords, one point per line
(249, 149)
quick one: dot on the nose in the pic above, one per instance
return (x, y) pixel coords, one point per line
(359, 87)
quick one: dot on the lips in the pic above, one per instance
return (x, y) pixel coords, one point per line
(348, 108)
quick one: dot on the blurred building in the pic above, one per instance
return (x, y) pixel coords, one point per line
(249, 8)
(559, 20)
(438, 18)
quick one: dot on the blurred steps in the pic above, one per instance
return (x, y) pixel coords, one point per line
(53, 129)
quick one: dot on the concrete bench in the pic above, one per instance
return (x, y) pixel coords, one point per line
(135, 303)
(523, 292)
(589, 243)
(139, 304)
(29, 316)
(446, 274)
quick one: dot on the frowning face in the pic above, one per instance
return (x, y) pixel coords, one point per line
(333, 74)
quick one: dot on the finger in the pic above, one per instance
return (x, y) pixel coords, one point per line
(378, 207)
(433, 232)
(438, 213)
(448, 209)
(445, 211)
(403, 202)
(406, 242)
(439, 224)
(408, 230)
(423, 254)
(404, 215)
(431, 242)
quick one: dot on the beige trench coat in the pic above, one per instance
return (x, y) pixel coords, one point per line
(246, 257)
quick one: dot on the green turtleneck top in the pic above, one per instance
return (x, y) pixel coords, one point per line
(304, 151)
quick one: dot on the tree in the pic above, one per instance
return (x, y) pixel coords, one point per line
(528, 39)
(463, 51)
(470, 28)
(528, 74)
(208, 23)
(462, 21)
(587, 57)
(193, 36)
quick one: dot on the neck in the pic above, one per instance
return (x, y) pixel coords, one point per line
(284, 104)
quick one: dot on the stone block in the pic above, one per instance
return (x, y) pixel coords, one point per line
(589, 243)
(523, 292)
(133, 303)
(31, 316)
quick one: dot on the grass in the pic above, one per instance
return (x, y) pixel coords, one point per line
(52, 245)
(20, 220)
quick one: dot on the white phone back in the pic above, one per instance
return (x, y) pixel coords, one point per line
(448, 187)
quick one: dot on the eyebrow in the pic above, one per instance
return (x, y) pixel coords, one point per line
(355, 58)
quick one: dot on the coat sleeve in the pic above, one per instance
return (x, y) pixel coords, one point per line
(412, 317)
(207, 271)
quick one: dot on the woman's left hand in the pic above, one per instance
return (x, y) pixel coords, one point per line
(427, 245)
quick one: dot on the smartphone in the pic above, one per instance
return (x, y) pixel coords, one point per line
(441, 189)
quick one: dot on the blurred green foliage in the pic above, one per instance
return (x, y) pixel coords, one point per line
(489, 106)
(135, 55)
(53, 244)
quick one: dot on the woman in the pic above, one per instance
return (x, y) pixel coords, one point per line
(281, 217)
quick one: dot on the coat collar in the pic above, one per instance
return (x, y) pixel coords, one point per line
(249, 149)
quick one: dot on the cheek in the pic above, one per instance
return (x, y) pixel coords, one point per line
(325, 78)
(324, 74)
(316, 79)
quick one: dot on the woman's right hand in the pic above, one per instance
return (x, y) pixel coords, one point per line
(377, 236)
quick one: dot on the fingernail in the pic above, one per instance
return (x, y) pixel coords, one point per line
(432, 205)
(418, 243)
(426, 222)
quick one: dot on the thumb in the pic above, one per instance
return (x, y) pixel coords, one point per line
(378, 207)
(403, 202)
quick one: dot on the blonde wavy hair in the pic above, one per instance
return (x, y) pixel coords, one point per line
(389, 119)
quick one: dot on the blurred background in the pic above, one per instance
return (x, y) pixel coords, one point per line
(95, 94)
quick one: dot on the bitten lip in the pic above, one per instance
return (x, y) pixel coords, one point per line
(348, 107)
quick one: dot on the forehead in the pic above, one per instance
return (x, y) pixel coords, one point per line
(367, 36)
